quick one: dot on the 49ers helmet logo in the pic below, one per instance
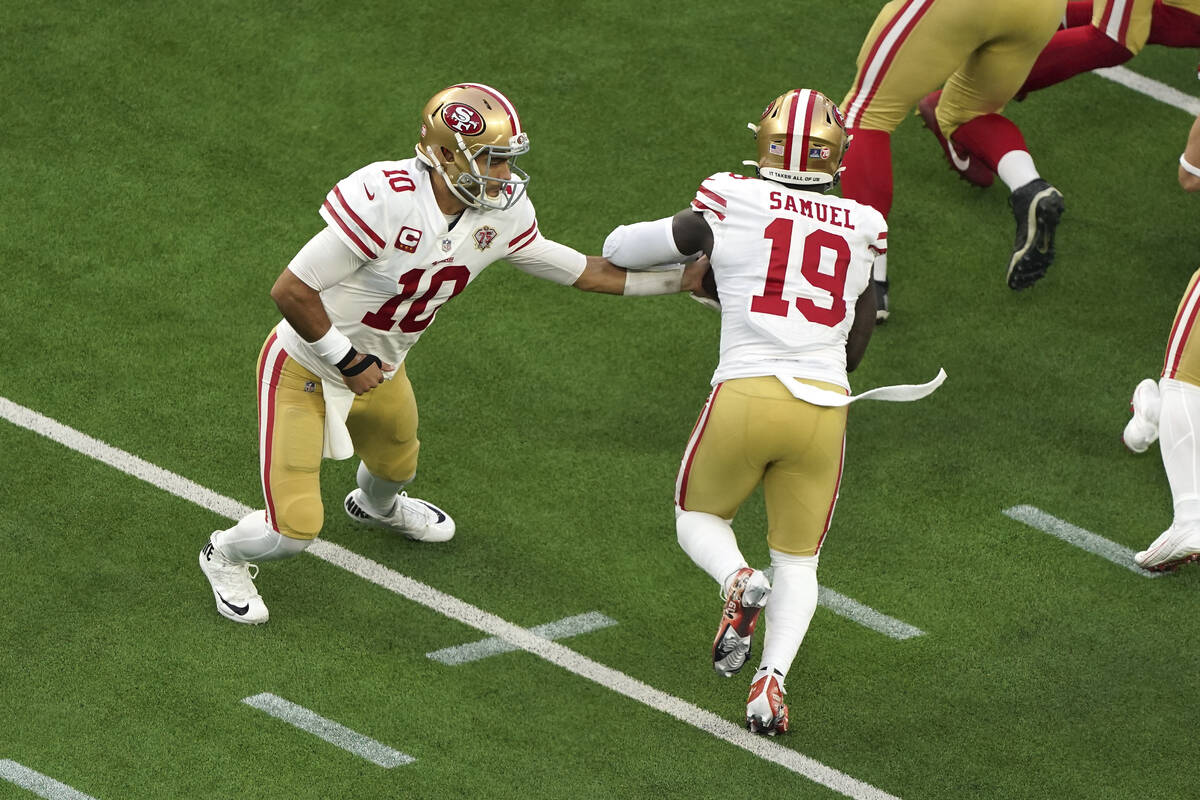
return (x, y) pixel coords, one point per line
(463, 119)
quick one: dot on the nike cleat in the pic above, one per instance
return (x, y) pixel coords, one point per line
(766, 712)
(1142, 429)
(1037, 207)
(415, 519)
(1173, 548)
(747, 595)
(233, 586)
(968, 166)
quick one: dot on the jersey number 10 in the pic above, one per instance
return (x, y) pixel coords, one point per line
(771, 301)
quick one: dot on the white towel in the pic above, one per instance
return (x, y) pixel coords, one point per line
(901, 393)
(338, 399)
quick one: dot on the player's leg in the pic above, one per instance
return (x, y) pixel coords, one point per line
(715, 477)
(1178, 430)
(383, 427)
(968, 114)
(1117, 32)
(1175, 23)
(800, 487)
(910, 49)
(291, 423)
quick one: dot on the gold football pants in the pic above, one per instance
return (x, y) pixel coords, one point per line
(752, 430)
(291, 426)
(981, 50)
(1183, 345)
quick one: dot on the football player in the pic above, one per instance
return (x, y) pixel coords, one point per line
(1105, 33)
(1169, 410)
(979, 51)
(402, 239)
(792, 270)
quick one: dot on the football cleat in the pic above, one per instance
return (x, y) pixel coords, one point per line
(881, 301)
(748, 591)
(416, 519)
(969, 167)
(232, 585)
(1036, 206)
(1142, 429)
(766, 712)
(1174, 547)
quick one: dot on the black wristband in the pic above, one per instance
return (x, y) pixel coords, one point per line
(362, 366)
(346, 359)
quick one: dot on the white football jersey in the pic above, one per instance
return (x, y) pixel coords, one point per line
(789, 266)
(387, 214)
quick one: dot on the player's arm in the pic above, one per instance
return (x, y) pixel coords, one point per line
(556, 262)
(864, 325)
(670, 240)
(325, 261)
(1189, 162)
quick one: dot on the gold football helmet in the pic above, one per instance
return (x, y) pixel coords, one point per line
(801, 140)
(480, 127)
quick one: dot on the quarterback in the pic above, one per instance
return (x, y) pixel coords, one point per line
(402, 239)
(1169, 410)
(791, 269)
(979, 51)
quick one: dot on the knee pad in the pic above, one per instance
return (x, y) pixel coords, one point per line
(300, 517)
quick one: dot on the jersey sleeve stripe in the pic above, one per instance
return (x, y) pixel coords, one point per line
(890, 39)
(332, 215)
(527, 242)
(713, 196)
(532, 229)
(364, 227)
(699, 206)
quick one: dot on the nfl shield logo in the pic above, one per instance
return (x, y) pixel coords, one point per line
(446, 245)
(820, 153)
(483, 237)
(310, 386)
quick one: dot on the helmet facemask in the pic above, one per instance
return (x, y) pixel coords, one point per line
(466, 130)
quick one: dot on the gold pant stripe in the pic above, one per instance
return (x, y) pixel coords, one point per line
(1127, 22)
(1182, 361)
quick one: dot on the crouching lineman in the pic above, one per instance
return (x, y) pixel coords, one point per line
(793, 270)
(1169, 410)
(403, 238)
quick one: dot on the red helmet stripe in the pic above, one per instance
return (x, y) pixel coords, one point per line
(808, 114)
(513, 119)
(791, 130)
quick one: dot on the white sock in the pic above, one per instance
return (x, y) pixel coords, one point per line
(1016, 169)
(709, 541)
(379, 495)
(789, 609)
(1177, 431)
(879, 267)
(252, 540)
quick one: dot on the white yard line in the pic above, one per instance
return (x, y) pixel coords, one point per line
(335, 733)
(1152, 88)
(38, 783)
(491, 646)
(865, 615)
(456, 609)
(1084, 540)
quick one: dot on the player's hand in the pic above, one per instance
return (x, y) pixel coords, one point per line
(693, 275)
(369, 378)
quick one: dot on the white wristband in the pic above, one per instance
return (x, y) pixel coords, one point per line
(332, 347)
(1188, 167)
(667, 281)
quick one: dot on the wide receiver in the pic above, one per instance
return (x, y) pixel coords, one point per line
(1169, 410)
(792, 267)
(403, 238)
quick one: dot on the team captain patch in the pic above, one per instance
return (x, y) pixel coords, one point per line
(484, 237)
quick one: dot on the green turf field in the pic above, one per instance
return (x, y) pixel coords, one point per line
(161, 163)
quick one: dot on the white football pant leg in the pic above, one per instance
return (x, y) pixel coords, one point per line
(709, 542)
(252, 540)
(379, 494)
(1177, 430)
(790, 609)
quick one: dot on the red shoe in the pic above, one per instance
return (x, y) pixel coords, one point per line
(748, 593)
(765, 709)
(968, 166)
